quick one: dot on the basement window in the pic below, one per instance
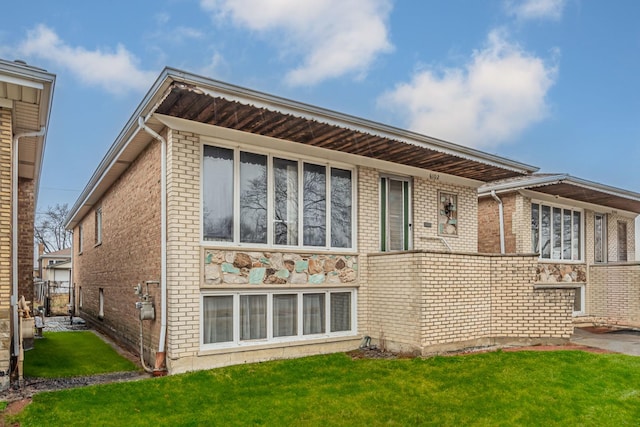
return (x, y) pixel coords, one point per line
(249, 318)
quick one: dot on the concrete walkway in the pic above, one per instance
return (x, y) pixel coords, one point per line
(622, 341)
(63, 324)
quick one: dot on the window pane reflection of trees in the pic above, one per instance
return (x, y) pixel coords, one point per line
(315, 205)
(271, 204)
(285, 174)
(341, 195)
(253, 198)
(218, 194)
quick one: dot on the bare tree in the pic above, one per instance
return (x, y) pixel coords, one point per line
(49, 228)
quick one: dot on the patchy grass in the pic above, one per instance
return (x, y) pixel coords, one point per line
(71, 354)
(499, 388)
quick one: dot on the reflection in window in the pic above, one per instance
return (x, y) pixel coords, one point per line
(599, 238)
(556, 233)
(622, 241)
(315, 205)
(341, 208)
(253, 198)
(535, 228)
(545, 232)
(285, 174)
(218, 194)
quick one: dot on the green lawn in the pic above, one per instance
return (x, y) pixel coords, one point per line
(70, 354)
(521, 388)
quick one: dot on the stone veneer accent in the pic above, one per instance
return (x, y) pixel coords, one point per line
(276, 268)
(567, 273)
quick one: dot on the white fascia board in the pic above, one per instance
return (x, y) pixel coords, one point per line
(520, 184)
(231, 137)
(21, 81)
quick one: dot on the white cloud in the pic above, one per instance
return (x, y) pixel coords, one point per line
(116, 72)
(334, 37)
(536, 9)
(490, 100)
(216, 66)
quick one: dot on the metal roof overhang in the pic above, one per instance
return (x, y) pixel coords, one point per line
(28, 91)
(190, 97)
(336, 132)
(572, 188)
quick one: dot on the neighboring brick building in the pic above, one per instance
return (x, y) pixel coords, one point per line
(25, 103)
(264, 228)
(583, 233)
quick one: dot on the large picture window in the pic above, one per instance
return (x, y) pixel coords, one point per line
(253, 198)
(556, 232)
(249, 318)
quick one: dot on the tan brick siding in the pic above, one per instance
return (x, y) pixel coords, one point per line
(613, 294)
(462, 300)
(425, 210)
(183, 245)
(26, 216)
(129, 253)
(5, 245)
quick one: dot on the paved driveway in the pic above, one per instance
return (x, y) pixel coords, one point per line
(623, 341)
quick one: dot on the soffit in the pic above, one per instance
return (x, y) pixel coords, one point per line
(590, 195)
(25, 96)
(189, 103)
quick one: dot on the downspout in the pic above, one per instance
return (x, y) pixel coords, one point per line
(161, 354)
(501, 215)
(14, 243)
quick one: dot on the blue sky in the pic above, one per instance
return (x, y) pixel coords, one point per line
(552, 83)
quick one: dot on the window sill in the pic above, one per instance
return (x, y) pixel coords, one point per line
(563, 285)
(272, 345)
(272, 287)
(560, 261)
(274, 248)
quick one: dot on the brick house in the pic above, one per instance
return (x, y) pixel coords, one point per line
(584, 235)
(264, 228)
(26, 94)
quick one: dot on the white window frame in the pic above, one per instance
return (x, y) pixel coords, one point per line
(101, 303)
(80, 238)
(270, 339)
(98, 226)
(603, 237)
(384, 240)
(582, 242)
(300, 159)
